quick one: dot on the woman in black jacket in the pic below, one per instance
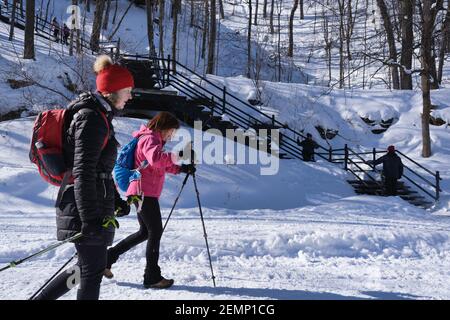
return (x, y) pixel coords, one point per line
(87, 205)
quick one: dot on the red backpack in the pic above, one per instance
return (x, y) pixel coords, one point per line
(46, 150)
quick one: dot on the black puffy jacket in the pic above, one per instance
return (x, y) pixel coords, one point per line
(92, 196)
(392, 165)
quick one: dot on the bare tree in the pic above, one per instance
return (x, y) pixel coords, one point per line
(161, 27)
(120, 21)
(302, 12)
(97, 25)
(265, 9)
(429, 12)
(115, 12)
(406, 20)
(445, 34)
(150, 31)
(391, 43)
(12, 21)
(106, 18)
(212, 38)
(28, 52)
(176, 10)
(272, 8)
(341, 5)
(291, 29)
(249, 39)
(256, 12)
(205, 28)
(222, 12)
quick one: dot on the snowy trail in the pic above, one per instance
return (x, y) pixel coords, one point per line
(335, 251)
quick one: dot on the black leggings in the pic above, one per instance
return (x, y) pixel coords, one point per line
(149, 219)
(91, 264)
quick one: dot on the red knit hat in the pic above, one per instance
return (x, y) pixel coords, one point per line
(113, 78)
(391, 149)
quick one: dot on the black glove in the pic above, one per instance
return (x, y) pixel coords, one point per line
(122, 208)
(188, 168)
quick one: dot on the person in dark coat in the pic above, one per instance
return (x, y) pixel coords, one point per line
(88, 203)
(56, 29)
(65, 34)
(392, 170)
(308, 145)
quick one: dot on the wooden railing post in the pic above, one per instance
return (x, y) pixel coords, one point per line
(330, 154)
(438, 188)
(168, 70)
(224, 99)
(346, 157)
(374, 154)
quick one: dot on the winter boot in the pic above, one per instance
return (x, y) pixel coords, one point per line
(108, 274)
(162, 284)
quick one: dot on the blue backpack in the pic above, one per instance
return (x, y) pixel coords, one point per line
(124, 171)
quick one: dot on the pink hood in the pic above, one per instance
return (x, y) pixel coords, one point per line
(150, 148)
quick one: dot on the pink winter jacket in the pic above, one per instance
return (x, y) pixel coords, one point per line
(150, 148)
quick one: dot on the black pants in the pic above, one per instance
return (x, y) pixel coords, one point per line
(308, 156)
(390, 186)
(149, 219)
(88, 272)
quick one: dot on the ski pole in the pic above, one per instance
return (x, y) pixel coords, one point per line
(204, 229)
(51, 278)
(175, 203)
(13, 263)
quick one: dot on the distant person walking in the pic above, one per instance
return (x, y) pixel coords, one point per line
(308, 145)
(392, 170)
(55, 27)
(65, 34)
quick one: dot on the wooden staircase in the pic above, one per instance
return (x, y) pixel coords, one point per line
(405, 192)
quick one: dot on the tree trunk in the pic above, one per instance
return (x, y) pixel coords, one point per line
(88, 5)
(391, 43)
(72, 27)
(21, 9)
(433, 71)
(97, 25)
(265, 9)
(28, 52)
(302, 12)
(212, 39)
(272, 7)
(161, 28)
(205, 29)
(115, 12)
(428, 19)
(444, 42)
(291, 29)
(249, 39)
(106, 19)
(222, 12)
(341, 43)
(12, 20)
(406, 20)
(46, 10)
(256, 12)
(176, 10)
(150, 32)
(192, 13)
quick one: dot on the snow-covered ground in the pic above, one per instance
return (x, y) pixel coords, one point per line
(306, 237)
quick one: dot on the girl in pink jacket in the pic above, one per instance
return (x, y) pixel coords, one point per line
(152, 138)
